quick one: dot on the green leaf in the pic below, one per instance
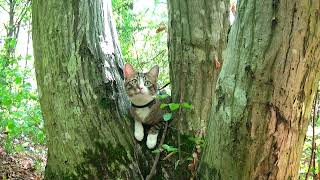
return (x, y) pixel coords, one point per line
(6, 101)
(174, 106)
(18, 80)
(162, 106)
(11, 125)
(169, 148)
(19, 148)
(156, 151)
(167, 116)
(186, 105)
(162, 96)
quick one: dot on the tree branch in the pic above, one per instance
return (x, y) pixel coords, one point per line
(4, 8)
(153, 170)
(313, 147)
(23, 12)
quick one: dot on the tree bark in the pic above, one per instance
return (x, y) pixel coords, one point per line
(78, 69)
(264, 92)
(197, 36)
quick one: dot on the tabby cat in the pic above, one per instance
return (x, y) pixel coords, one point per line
(145, 108)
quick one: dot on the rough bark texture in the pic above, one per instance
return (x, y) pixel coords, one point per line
(197, 36)
(264, 92)
(77, 63)
(78, 68)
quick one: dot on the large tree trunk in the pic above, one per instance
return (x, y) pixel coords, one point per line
(197, 36)
(264, 92)
(77, 63)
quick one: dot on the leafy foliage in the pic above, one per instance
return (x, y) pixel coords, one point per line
(142, 34)
(19, 104)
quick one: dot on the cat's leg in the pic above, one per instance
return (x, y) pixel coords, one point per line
(153, 135)
(152, 139)
(138, 130)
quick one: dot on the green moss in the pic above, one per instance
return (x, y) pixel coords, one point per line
(187, 144)
(101, 161)
(208, 172)
(104, 159)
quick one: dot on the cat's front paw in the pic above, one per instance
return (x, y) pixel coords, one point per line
(138, 135)
(138, 130)
(152, 140)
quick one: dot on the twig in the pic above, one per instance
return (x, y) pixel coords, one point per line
(135, 49)
(155, 163)
(169, 156)
(161, 52)
(4, 8)
(313, 137)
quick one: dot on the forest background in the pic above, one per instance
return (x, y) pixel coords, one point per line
(142, 29)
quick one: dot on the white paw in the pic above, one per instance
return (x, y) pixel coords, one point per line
(152, 140)
(138, 131)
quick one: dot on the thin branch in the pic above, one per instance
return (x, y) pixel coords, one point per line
(27, 51)
(135, 49)
(153, 170)
(4, 8)
(161, 52)
(313, 136)
(23, 12)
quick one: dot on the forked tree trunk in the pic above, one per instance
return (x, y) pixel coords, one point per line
(264, 92)
(78, 68)
(77, 63)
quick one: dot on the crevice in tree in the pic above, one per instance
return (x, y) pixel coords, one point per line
(290, 36)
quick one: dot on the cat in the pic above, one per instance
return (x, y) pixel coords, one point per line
(145, 108)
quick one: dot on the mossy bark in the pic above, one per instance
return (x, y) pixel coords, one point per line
(78, 69)
(264, 92)
(197, 36)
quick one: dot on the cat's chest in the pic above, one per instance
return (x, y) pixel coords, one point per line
(143, 113)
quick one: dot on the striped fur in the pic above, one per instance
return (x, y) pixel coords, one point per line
(142, 89)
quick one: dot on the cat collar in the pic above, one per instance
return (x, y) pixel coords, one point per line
(149, 104)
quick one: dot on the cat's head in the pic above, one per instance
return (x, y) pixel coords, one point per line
(141, 87)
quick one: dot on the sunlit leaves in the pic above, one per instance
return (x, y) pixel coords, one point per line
(169, 148)
(174, 106)
(186, 105)
(20, 115)
(140, 44)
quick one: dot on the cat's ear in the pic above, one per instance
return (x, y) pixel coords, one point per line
(154, 71)
(128, 70)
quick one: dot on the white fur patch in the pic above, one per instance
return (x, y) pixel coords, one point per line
(143, 113)
(152, 140)
(141, 99)
(138, 130)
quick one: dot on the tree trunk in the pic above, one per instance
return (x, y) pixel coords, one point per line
(197, 36)
(78, 69)
(264, 92)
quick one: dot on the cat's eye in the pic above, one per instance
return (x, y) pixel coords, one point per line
(147, 83)
(134, 81)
